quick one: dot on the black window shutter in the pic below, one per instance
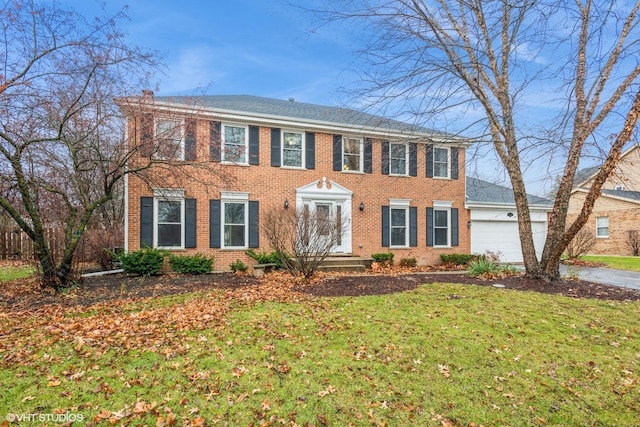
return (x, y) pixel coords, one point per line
(310, 150)
(455, 241)
(429, 226)
(413, 226)
(385, 158)
(215, 141)
(454, 163)
(146, 222)
(214, 223)
(429, 161)
(190, 140)
(275, 147)
(254, 145)
(147, 135)
(413, 159)
(368, 155)
(386, 229)
(337, 152)
(190, 223)
(254, 224)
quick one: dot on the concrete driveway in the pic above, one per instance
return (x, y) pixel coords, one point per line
(607, 276)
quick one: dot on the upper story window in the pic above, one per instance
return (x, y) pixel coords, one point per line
(441, 162)
(352, 151)
(235, 143)
(398, 155)
(602, 226)
(169, 144)
(292, 149)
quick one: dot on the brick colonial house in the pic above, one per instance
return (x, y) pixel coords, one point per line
(617, 210)
(398, 187)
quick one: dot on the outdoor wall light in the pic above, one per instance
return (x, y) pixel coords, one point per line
(361, 207)
(469, 224)
(286, 203)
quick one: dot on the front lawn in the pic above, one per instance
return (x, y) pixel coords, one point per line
(15, 270)
(442, 354)
(630, 263)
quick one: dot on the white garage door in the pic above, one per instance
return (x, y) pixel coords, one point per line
(503, 236)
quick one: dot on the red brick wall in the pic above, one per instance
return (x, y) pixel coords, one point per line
(272, 185)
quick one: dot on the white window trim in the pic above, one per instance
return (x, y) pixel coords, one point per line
(156, 138)
(224, 143)
(400, 204)
(361, 162)
(448, 176)
(240, 198)
(598, 227)
(442, 205)
(406, 159)
(303, 160)
(164, 195)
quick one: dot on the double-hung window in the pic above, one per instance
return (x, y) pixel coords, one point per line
(398, 226)
(441, 160)
(292, 149)
(602, 226)
(169, 219)
(235, 229)
(169, 144)
(235, 143)
(398, 155)
(442, 224)
(399, 222)
(352, 152)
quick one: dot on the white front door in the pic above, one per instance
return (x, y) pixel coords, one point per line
(331, 214)
(332, 201)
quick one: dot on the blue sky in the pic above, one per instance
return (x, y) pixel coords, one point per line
(254, 47)
(272, 49)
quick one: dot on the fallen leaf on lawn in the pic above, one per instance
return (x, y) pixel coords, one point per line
(329, 390)
(444, 370)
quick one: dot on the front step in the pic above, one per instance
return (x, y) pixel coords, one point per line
(345, 264)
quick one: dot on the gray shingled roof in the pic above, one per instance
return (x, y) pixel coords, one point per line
(583, 174)
(298, 110)
(480, 191)
(632, 195)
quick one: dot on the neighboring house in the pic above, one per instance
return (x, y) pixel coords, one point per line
(617, 210)
(494, 222)
(400, 188)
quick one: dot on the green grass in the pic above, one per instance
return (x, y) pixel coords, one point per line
(441, 355)
(11, 272)
(630, 263)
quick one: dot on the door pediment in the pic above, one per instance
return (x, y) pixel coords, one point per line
(320, 189)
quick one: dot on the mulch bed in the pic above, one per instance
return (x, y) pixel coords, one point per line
(25, 294)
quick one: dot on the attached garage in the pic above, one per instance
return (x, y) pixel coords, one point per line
(494, 224)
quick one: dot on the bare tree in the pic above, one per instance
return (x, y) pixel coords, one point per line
(486, 59)
(633, 241)
(581, 244)
(62, 150)
(303, 237)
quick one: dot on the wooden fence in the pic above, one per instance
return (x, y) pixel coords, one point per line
(16, 245)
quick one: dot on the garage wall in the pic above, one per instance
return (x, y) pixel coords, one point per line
(493, 229)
